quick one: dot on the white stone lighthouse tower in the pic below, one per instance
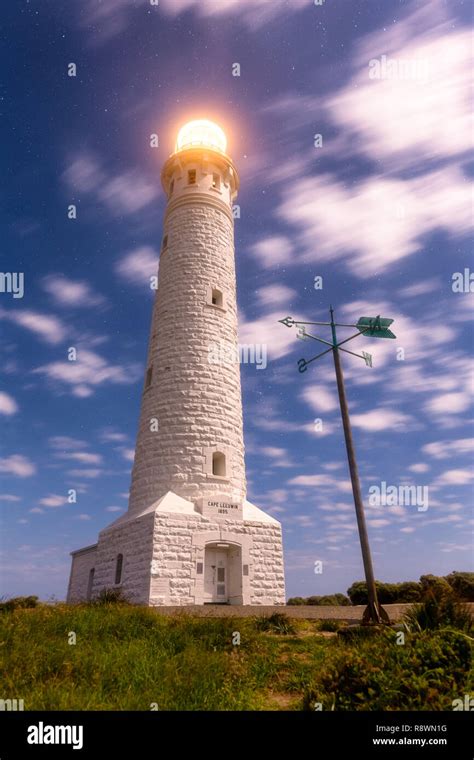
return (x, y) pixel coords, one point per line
(190, 536)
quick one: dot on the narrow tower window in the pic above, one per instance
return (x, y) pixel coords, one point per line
(118, 569)
(164, 243)
(217, 299)
(218, 464)
(192, 177)
(216, 181)
(149, 375)
(171, 187)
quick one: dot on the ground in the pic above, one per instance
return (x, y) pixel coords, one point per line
(300, 612)
(114, 657)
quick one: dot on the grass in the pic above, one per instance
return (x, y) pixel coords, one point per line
(130, 658)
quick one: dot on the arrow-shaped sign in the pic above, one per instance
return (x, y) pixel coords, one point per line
(375, 327)
(288, 321)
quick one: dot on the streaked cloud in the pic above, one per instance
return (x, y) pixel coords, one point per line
(86, 473)
(45, 326)
(125, 193)
(275, 295)
(138, 266)
(53, 500)
(109, 435)
(72, 293)
(84, 457)
(273, 251)
(381, 420)
(17, 464)
(449, 448)
(385, 218)
(87, 373)
(457, 477)
(109, 18)
(320, 398)
(66, 442)
(8, 405)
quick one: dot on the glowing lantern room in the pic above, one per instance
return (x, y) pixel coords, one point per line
(201, 133)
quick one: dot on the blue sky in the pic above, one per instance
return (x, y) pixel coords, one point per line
(381, 211)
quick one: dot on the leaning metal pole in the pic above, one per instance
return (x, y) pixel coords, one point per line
(373, 613)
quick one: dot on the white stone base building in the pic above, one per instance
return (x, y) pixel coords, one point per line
(173, 554)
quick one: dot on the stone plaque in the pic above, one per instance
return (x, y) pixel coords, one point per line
(218, 508)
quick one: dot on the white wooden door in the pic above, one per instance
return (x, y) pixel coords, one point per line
(215, 577)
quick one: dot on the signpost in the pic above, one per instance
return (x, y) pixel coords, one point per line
(374, 327)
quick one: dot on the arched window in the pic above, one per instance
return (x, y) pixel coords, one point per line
(217, 298)
(149, 375)
(218, 464)
(118, 569)
(90, 583)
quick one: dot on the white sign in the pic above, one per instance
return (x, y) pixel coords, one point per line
(221, 509)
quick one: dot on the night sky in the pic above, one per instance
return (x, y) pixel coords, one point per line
(379, 207)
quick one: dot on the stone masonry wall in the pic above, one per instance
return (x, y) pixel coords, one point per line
(82, 564)
(133, 539)
(174, 559)
(176, 552)
(160, 552)
(268, 577)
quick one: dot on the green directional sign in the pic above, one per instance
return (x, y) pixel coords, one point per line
(375, 327)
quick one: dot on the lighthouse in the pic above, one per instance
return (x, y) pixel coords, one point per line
(190, 536)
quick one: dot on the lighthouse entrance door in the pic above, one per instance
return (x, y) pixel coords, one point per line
(216, 582)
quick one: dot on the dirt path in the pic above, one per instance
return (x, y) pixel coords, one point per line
(306, 612)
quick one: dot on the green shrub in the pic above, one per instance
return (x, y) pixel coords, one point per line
(18, 602)
(409, 591)
(412, 591)
(439, 610)
(342, 600)
(462, 584)
(359, 632)
(329, 600)
(110, 596)
(426, 673)
(387, 593)
(330, 626)
(435, 584)
(357, 593)
(276, 623)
